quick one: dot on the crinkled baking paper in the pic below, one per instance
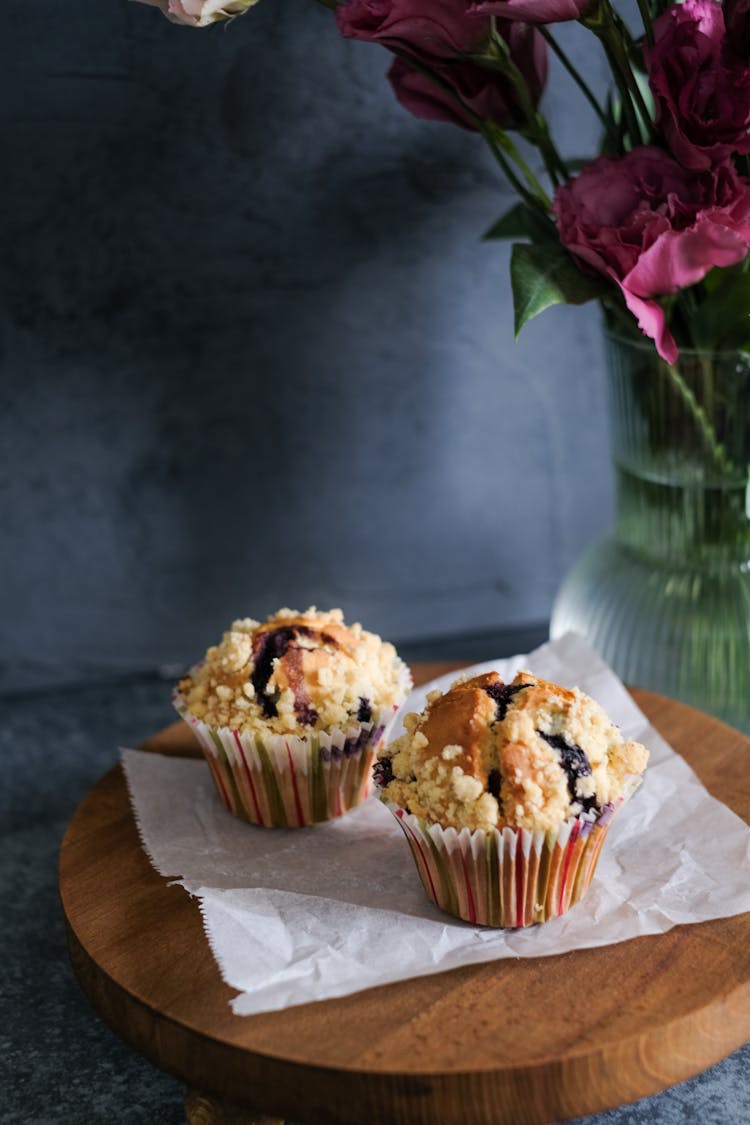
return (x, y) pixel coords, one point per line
(296, 915)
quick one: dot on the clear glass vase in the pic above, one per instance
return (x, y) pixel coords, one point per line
(665, 598)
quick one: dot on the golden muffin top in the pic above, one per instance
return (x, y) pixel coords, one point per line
(294, 673)
(529, 754)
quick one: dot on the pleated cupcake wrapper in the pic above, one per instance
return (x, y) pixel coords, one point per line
(513, 877)
(285, 781)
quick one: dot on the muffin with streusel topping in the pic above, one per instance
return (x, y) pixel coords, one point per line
(289, 714)
(505, 793)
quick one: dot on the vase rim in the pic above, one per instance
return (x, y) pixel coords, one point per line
(647, 345)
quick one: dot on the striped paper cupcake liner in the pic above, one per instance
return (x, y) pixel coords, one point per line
(285, 781)
(509, 878)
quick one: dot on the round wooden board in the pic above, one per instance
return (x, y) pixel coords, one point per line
(515, 1042)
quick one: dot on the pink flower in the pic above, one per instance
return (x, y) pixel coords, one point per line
(425, 28)
(535, 11)
(439, 36)
(653, 228)
(200, 13)
(702, 90)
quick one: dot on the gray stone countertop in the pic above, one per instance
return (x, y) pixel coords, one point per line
(59, 1064)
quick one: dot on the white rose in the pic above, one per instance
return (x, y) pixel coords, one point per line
(200, 13)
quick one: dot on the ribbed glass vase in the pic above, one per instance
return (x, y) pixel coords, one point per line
(665, 598)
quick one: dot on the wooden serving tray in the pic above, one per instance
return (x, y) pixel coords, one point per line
(514, 1042)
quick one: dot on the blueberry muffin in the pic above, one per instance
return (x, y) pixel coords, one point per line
(528, 761)
(290, 711)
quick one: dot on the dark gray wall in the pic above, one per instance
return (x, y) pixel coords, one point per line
(253, 351)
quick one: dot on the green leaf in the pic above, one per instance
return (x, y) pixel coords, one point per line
(546, 275)
(722, 320)
(712, 280)
(522, 222)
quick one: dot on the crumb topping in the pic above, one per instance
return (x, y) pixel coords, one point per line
(486, 754)
(293, 673)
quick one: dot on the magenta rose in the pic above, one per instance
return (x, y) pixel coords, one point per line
(535, 11)
(439, 36)
(702, 89)
(424, 28)
(653, 228)
(737, 20)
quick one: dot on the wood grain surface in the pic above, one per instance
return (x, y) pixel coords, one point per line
(514, 1042)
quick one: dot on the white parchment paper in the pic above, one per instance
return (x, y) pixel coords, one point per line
(295, 915)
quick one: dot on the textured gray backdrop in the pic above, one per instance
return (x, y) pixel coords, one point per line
(253, 351)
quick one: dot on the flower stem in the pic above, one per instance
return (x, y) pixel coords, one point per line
(643, 8)
(614, 35)
(498, 141)
(628, 109)
(499, 58)
(714, 446)
(500, 144)
(623, 41)
(577, 78)
(616, 319)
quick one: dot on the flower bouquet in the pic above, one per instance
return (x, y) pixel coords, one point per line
(641, 227)
(656, 228)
